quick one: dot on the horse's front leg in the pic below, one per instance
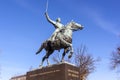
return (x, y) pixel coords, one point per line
(69, 45)
(62, 60)
(71, 52)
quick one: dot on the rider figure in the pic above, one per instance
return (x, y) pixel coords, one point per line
(57, 24)
(59, 28)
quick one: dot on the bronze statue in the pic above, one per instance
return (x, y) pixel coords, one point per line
(60, 39)
(63, 40)
(57, 24)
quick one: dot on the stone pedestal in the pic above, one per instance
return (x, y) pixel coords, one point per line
(62, 71)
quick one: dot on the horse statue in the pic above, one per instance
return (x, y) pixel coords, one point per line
(63, 40)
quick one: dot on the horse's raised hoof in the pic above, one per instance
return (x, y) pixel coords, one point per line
(70, 55)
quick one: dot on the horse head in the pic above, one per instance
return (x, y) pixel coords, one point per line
(74, 26)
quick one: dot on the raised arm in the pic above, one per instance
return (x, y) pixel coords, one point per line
(49, 20)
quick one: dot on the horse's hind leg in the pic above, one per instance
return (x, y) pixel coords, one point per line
(48, 53)
(43, 60)
(64, 53)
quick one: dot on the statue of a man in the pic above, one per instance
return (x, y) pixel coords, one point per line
(59, 30)
(57, 24)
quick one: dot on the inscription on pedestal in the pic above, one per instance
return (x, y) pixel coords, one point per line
(73, 73)
(44, 73)
(62, 71)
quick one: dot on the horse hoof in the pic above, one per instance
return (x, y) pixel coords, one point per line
(48, 64)
(62, 61)
(70, 56)
(40, 66)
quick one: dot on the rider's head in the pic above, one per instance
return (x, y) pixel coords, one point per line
(58, 20)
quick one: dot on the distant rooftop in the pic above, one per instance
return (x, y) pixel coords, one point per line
(20, 77)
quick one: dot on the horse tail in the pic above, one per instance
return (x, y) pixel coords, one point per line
(41, 47)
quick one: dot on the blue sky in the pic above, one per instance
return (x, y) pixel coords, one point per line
(23, 27)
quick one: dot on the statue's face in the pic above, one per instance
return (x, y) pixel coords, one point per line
(58, 20)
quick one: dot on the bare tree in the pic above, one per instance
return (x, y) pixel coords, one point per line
(115, 58)
(85, 62)
(56, 58)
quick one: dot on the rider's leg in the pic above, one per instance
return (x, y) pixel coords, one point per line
(53, 37)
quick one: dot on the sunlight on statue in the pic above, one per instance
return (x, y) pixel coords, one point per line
(60, 39)
(57, 24)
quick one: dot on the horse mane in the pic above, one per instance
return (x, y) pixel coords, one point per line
(67, 25)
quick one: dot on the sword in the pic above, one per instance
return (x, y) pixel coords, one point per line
(46, 6)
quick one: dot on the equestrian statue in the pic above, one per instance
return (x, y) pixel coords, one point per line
(60, 39)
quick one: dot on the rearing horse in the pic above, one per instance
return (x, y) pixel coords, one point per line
(63, 40)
